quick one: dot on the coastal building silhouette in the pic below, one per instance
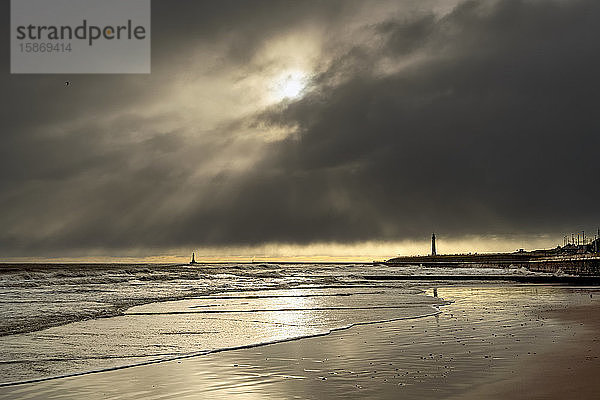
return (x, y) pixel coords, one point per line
(580, 244)
(433, 252)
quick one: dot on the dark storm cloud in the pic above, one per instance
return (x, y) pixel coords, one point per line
(480, 121)
(243, 25)
(494, 133)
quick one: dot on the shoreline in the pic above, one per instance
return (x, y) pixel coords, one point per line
(468, 349)
(220, 350)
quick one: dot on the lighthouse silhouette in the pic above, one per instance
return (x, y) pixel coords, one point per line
(433, 252)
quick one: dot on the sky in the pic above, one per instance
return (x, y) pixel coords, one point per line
(324, 129)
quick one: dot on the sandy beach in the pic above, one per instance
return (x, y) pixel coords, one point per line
(567, 370)
(493, 341)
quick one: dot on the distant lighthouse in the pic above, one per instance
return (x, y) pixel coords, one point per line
(433, 252)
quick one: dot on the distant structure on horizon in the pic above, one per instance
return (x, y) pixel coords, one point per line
(193, 259)
(579, 244)
(433, 252)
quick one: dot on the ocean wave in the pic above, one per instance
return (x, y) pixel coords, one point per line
(39, 296)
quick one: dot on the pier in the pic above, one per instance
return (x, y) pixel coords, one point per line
(575, 257)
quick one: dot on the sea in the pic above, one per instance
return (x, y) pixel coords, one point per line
(59, 320)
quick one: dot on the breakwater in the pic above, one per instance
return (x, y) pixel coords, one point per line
(579, 264)
(574, 265)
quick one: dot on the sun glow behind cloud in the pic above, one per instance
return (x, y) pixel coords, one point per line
(288, 85)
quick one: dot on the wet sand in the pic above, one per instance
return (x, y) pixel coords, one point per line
(568, 370)
(493, 341)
